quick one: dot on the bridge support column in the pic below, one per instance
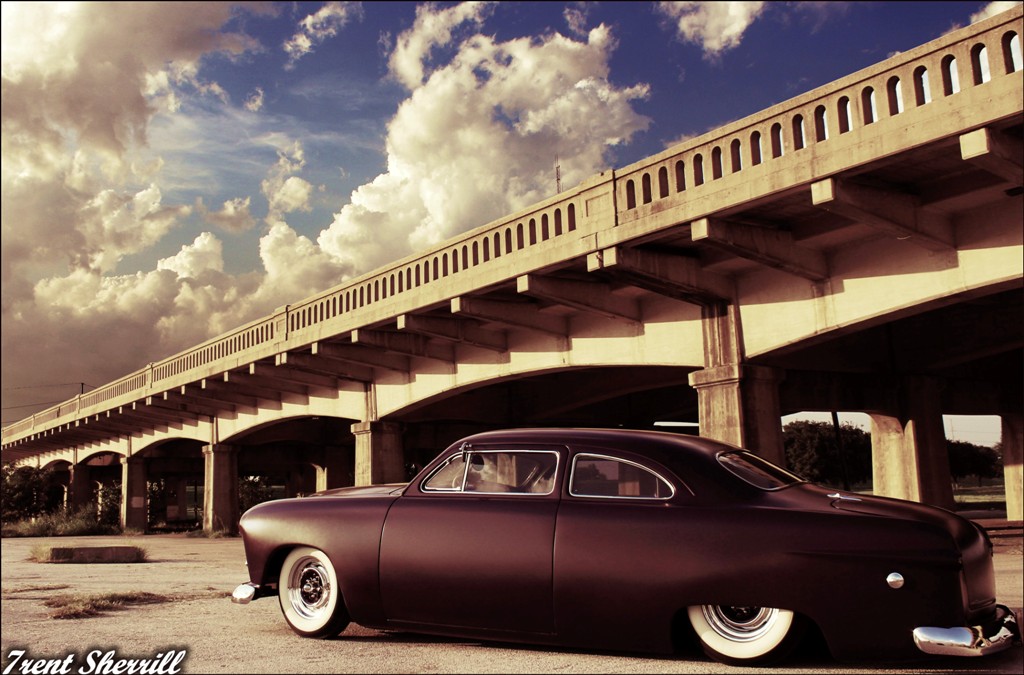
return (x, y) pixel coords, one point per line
(220, 488)
(1013, 465)
(908, 452)
(739, 404)
(81, 487)
(133, 494)
(379, 455)
(336, 469)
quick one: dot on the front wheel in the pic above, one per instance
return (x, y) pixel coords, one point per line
(309, 594)
(745, 635)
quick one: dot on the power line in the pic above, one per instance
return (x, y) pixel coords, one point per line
(44, 386)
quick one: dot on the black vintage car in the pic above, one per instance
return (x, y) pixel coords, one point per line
(628, 540)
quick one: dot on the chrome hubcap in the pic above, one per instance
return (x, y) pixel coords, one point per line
(740, 624)
(311, 588)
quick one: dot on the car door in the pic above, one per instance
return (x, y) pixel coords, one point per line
(619, 547)
(471, 545)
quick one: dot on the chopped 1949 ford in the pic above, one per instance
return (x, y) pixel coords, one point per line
(628, 540)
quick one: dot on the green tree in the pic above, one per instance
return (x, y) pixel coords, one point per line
(814, 452)
(253, 490)
(967, 459)
(25, 492)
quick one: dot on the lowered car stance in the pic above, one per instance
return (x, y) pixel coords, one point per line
(632, 541)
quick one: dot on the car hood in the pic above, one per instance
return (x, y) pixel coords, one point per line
(362, 491)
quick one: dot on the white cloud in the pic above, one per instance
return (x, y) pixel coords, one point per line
(433, 28)
(991, 9)
(479, 136)
(254, 103)
(233, 216)
(319, 26)
(715, 26)
(205, 253)
(287, 193)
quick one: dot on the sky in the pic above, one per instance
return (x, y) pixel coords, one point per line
(173, 170)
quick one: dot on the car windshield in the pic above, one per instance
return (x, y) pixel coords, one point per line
(757, 471)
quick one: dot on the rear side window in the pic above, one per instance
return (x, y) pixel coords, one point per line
(757, 471)
(603, 476)
(496, 471)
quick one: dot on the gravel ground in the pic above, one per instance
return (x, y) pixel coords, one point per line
(221, 637)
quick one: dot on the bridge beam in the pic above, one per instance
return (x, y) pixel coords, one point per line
(215, 390)
(342, 356)
(291, 374)
(454, 330)
(588, 296)
(674, 276)
(402, 343)
(323, 365)
(262, 386)
(767, 246)
(896, 214)
(517, 314)
(994, 152)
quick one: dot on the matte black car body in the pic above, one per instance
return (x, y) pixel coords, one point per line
(614, 572)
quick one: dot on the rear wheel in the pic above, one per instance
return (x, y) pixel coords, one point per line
(310, 597)
(745, 635)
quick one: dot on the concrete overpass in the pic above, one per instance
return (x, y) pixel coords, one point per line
(856, 248)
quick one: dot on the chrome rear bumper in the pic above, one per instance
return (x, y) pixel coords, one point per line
(1002, 632)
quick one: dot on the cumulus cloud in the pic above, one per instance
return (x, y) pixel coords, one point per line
(319, 26)
(233, 216)
(81, 84)
(991, 9)
(479, 134)
(715, 26)
(85, 198)
(433, 28)
(205, 253)
(285, 192)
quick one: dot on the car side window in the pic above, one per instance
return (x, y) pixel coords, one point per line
(496, 472)
(602, 476)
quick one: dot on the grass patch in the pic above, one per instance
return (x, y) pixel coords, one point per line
(35, 589)
(84, 606)
(216, 534)
(79, 606)
(60, 524)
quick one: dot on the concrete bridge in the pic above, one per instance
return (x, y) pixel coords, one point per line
(857, 248)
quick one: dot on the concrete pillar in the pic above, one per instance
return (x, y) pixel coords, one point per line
(739, 404)
(1013, 465)
(908, 450)
(133, 494)
(81, 487)
(336, 468)
(220, 488)
(379, 455)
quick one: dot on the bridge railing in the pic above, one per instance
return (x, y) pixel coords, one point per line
(914, 79)
(789, 131)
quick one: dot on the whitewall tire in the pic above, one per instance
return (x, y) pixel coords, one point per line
(745, 635)
(310, 596)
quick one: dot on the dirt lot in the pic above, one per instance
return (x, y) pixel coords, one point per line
(220, 637)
